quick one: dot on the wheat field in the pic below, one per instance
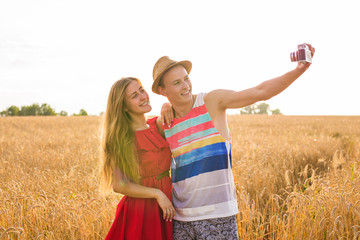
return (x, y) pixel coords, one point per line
(297, 177)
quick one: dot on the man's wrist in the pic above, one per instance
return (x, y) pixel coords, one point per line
(302, 67)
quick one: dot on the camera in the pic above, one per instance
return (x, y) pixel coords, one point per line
(303, 54)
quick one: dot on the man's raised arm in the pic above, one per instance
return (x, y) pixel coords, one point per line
(225, 99)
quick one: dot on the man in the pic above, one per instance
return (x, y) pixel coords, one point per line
(203, 187)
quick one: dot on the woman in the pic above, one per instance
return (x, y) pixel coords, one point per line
(136, 163)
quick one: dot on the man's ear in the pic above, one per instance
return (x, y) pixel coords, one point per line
(162, 91)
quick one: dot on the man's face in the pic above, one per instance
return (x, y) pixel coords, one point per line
(176, 85)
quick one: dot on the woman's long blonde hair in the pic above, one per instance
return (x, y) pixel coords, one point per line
(118, 146)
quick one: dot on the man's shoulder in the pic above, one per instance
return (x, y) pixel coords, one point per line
(217, 95)
(212, 96)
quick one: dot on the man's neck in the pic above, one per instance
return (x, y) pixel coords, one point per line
(181, 110)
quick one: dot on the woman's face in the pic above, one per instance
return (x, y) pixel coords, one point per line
(136, 99)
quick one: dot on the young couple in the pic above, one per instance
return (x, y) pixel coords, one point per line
(200, 197)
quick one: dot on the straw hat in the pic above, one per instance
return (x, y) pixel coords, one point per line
(164, 64)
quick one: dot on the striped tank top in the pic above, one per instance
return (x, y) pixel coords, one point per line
(203, 183)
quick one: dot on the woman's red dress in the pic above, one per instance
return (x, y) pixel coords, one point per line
(142, 218)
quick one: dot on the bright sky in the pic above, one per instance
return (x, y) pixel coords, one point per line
(68, 53)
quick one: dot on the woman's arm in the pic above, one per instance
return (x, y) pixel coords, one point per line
(120, 185)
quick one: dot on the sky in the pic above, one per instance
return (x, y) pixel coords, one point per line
(68, 53)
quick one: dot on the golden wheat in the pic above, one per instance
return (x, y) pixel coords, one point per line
(296, 177)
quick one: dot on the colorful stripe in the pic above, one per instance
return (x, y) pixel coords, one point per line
(188, 133)
(207, 164)
(200, 153)
(195, 112)
(197, 144)
(184, 125)
(201, 167)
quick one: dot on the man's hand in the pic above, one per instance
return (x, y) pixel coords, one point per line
(303, 66)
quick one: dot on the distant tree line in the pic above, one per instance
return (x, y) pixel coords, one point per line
(46, 110)
(260, 108)
(37, 110)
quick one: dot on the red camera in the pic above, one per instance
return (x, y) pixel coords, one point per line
(303, 54)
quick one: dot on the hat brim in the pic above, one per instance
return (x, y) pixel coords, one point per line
(186, 64)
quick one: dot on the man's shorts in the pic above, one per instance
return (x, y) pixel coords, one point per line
(209, 229)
